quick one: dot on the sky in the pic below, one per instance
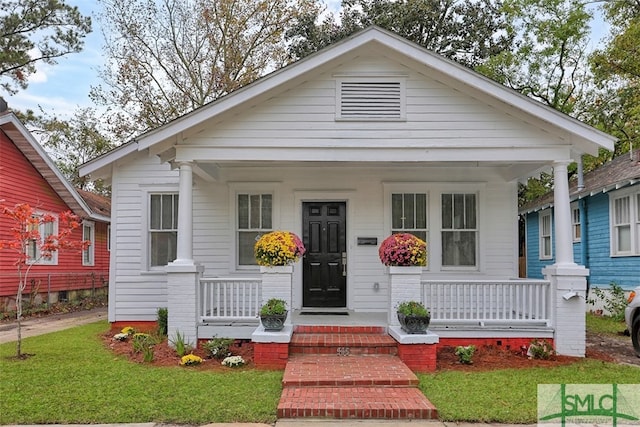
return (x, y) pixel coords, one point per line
(62, 88)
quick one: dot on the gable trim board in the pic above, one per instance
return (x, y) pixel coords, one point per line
(580, 138)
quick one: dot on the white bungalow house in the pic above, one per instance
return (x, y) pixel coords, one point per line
(369, 136)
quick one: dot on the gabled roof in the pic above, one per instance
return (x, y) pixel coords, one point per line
(583, 138)
(91, 207)
(617, 173)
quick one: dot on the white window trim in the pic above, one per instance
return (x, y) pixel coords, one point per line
(634, 220)
(145, 238)
(371, 78)
(575, 207)
(91, 248)
(434, 218)
(236, 188)
(543, 214)
(455, 190)
(54, 256)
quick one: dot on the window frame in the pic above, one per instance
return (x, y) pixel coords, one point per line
(407, 188)
(576, 223)
(258, 188)
(37, 260)
(633, 195)
(89, 250)
(149, 230)
(476, 231)
(542, 215)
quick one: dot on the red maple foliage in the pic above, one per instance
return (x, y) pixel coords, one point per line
(30, 246)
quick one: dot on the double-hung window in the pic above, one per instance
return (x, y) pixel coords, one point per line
(545, 234)
(45, 229)
(459, 229)
(163, 228)
(625, 224)
(575, 223)
(88, 234)
(409, 214)
(255, 218)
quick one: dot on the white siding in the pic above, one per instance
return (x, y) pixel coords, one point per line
(437, 116)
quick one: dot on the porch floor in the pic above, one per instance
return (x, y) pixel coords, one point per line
(354, 318)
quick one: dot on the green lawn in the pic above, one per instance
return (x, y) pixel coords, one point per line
(73, 379)
(605, 325)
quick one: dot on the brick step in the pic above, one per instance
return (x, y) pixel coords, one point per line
(342, 343)
(355, 402)
(334, 370)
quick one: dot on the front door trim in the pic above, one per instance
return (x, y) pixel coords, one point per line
(301, 196)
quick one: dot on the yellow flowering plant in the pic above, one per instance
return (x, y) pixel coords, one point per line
(190, 360)
(278, 248)
(403, 249)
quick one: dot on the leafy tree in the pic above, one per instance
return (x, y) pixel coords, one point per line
(167, 57)
(72, 142)
(548, 60)
(30, 246)
(33, 31)
(467, 31)
(616, 107)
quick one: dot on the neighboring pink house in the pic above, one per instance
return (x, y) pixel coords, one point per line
(28, 175)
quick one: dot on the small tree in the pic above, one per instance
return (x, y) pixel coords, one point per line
(30, 246)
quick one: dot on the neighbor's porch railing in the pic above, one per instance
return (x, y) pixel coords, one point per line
(482, 302)
(229, 299)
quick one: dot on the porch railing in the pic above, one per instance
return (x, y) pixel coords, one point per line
(488, 302)
(229, 299)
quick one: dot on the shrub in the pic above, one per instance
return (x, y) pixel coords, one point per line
(540, 349)
(218, 348)
(163, 321)
(465, 354)
(614, 300)
(142, 341)
(180, 345)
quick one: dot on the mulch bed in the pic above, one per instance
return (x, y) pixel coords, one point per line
(484, 359)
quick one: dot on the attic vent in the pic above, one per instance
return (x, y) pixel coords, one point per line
(362, 100)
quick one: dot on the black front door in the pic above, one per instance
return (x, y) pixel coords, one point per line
(324, 264)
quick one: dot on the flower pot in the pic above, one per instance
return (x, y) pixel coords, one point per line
(273, 322)
(413, 324)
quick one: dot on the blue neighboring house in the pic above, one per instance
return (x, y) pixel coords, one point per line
(605, 216)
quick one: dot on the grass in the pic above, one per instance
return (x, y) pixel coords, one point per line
(510, 395)
(605, 325)
(73, 379)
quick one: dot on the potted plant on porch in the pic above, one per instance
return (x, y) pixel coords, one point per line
(278, 248)
(414, 318)
(273, 314)
(403, 250)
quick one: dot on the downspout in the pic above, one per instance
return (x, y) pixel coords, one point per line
(582, 207)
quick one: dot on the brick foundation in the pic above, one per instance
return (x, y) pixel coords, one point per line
(138, 325)
(418, 357)
(270, 355)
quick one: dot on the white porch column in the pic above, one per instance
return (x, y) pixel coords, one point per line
(184, 253)
(404, 285)
(562, 215)
(568, 280)
(183, 274)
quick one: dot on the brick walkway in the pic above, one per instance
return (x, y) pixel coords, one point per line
(367, 381)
